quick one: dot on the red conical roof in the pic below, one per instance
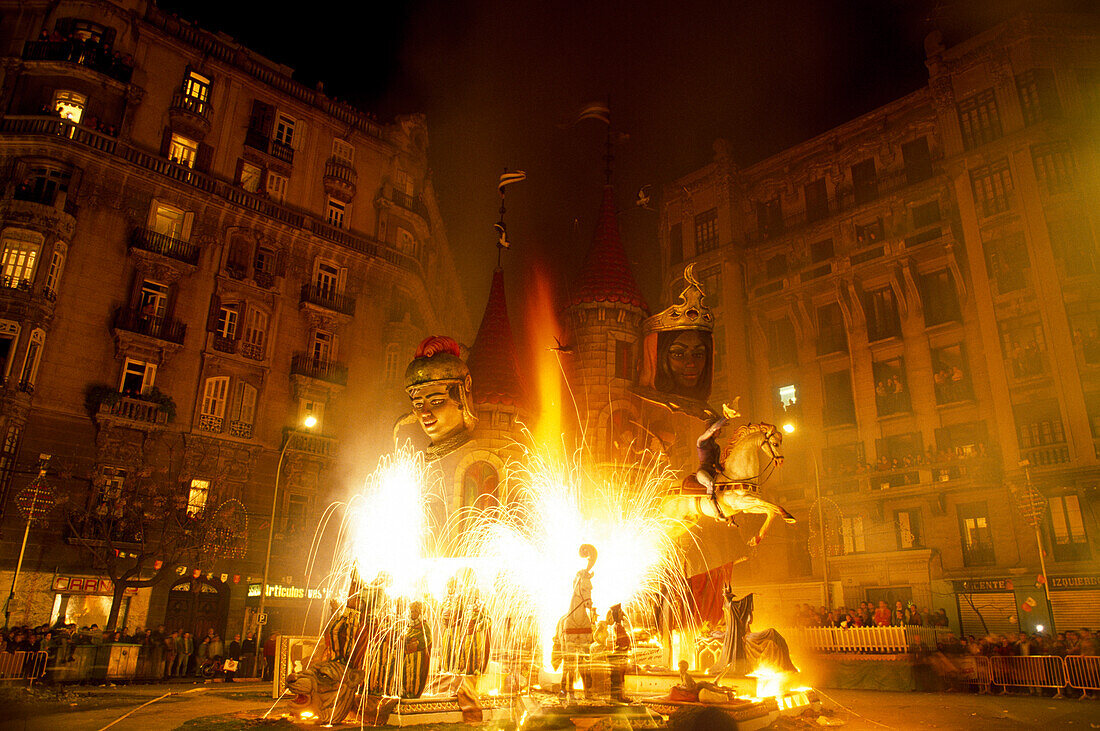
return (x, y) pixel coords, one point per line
(605, 275)
(492, 362)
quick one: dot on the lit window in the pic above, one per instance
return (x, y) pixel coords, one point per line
(137, 376)
(335, 213)
(227, 322)
(113, 480)
(196, 497)
(250, 177)
(183, 151)
(154, 300)
(69, 105)
(20, 258)
(276, 186)
(284, 130)
(343, 151)
(34, 355)
(196, 86)
(168, 221)
(788, 395)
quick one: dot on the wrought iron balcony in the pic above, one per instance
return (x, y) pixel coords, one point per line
(303, 364)
(253, 351)
(257, 140)
(326, 298)
(223, 344)
(240, 429)
(93, 56)
(133, 320)
(340, 179)
(157, 243)
(187, 103)
(409, 202)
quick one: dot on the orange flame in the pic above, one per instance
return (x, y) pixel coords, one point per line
(544, 328)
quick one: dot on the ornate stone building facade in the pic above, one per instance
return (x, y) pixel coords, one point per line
(197, 250)
(915, 292)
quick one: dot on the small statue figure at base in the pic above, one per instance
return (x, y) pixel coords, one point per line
(573, 639)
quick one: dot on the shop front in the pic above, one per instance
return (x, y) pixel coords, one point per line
(86, 601)
(986, 606)
(294, 610)
(1075, 601)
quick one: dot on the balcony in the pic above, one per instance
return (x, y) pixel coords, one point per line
(127, 409)
(210, 423)
(312, 444)
(257, 140)
(163, 328)
(409, 203)
(340, 179)
(253, 351)
(327, 299)
(189, 115)
(223, 344)
(24, 289)
(1048, 455)
(89, 55)
(240, 429)
(157, 243)
(329, 371)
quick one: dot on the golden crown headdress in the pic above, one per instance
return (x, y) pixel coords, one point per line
(689, 313)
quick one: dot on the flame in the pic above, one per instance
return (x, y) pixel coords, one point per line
(548, 368)
(769, 682)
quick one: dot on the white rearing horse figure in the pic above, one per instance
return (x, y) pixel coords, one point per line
(738, 485)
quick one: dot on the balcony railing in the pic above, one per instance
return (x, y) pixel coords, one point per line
(314, 295)
(935, 474)
(223, 344)
(341, 170)
(157, 243)
(209, 422)
(69, 133)
(162, 328)
(253, 351)
(188, 103)
(89, 55)
(315, 444)
(1046, 455)
(409, 202)
(134, 409)
(332, 371)
(240, 429)
(257, 140)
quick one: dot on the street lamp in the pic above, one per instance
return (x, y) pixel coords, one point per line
(309, 422)
(790, 428)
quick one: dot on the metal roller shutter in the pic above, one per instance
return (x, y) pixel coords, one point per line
(998, 609)
(1075, 609)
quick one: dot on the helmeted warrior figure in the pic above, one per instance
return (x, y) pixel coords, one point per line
(439, 386)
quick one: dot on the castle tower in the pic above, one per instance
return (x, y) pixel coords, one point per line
(603, 320)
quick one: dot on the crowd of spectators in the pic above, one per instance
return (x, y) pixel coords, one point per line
(86, 49)
(1063, 644)
(884, 463)
(163, 655)
(867, 614)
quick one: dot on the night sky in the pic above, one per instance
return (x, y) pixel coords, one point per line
(498, 79)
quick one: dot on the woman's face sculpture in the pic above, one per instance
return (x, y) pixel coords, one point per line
(440, 415)
(687, 359)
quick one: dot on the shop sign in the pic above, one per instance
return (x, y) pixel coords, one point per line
(86, 585)
(1075, 582)
(976, 586)
(278, 591)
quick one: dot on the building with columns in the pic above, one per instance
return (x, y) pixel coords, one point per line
(915, 293)
(200, 252)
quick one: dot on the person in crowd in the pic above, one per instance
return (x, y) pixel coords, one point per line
(248, 655)
(269, 655)
(170, 655)
(185, 646)
(217, 647)
(233, 658)
(882, 616)
(202, 653)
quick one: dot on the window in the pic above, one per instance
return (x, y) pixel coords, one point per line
(310, 407)
(831, 335)
(817, 200)
(950, 375)
(821, 251)
(168, 221)
(840, 408)
(711, 279)
(9, 337)
(864, 181)
(403, 183)
(775, 266)
(391, 365)
(196, 86)
(343, 151)
(977, 538)
(870, 233)
(1038, 96)
(32, 358)
(321, 347)
(899, 451)
(249, 177)
(1038, 424)
(769, 218)
(8, 452)
(782, 348)
(1084, 324)
(992, 185)
(675, 244)
(69, 105)
(842, 459)
(940, 299)
(276, 186)
(851, 534)
(114, 479)
(284, 129)
(137, 377)
(406, 242)
(624, 359)
(20, 258)
(267, 261)
(1067, 528)
(327, 279)
(242, 412)
(183, 151)
(228, 316)
(788, 400)
(43, 184)
(1072, 242)
(479, 485)
(1007, 262)
(154, 301)
(1054, 168)
(927, 214)
(917, 159)
(907, 525)
(962, 440)
(197, 495)
(1023, 346)
(881, 311)
(57, 263)
(212, 410)
(297, 512)
(86, 30)
(255, 337)
(334, 213)
(706, 231)
(891, 390)
(979, 119)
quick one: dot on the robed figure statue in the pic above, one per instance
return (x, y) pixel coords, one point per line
(745, 651)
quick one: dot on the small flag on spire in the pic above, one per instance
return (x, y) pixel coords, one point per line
(502, 236)
(595, 110)
(507, 178)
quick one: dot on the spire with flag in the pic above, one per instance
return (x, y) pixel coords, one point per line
(508, 177)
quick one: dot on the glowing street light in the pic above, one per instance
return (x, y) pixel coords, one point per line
(788, 428)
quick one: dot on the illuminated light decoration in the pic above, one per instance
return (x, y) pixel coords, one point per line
(236, 578)
(196, 573)
(158, 564)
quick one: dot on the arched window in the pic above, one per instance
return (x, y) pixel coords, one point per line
(479, 485)
(30, 362)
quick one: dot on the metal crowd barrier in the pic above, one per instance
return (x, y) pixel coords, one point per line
(1083, 672)
(23, 665)
(1034, 671)
(975, 670)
